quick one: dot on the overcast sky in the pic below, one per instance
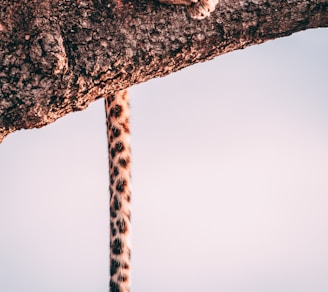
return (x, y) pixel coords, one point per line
(230, 189)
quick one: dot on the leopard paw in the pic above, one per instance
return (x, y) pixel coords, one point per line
(179, 2)
(202, 8)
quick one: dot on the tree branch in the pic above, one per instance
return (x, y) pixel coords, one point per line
(58, 56)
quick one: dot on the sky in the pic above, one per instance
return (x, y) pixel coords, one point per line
(229, 180)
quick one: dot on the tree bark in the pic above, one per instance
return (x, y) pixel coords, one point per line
(58, 56)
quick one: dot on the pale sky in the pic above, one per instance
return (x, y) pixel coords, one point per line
(230, 189)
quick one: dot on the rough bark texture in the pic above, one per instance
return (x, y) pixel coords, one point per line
(58, 56)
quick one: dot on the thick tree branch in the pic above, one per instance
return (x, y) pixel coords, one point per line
(58, 56)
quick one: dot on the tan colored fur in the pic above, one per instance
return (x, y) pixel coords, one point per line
(118, 132)
(197, 9)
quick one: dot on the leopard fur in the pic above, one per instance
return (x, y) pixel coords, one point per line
(197, 9)
(118, 134)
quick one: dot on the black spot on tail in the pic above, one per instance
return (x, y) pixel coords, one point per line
(116, 132)
(115, 171)
(114, 265)
(122, 226)
(119, 147)
(126, 266)
(114, 231)
(120, 186)
(113, 152)
(117, 246)
(117, 203)
(123, 162)
(114, 287)
(112, 212)
(116, 111)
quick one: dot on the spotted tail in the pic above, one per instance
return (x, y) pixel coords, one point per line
(118, 132)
